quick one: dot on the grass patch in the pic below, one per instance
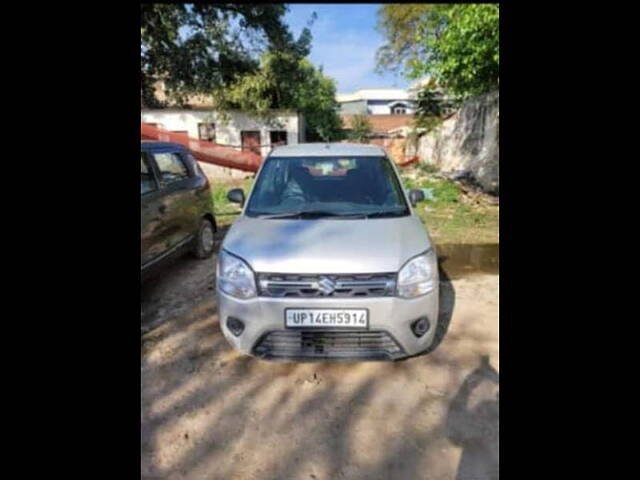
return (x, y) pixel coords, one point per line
(446, 193)
(451, 217)
(225, 211)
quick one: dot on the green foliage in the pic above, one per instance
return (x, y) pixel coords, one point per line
(427, 168)
(241, 54)
(260, 91)
(432, 106)
(462, 224)
(220, 201)
(286, 81)
(466, 56)
(195, 48)
(398, 23)
(361, 129)
(219, 189)
(449, 217)
(428, 123)
(456, 44)
(316, 99)
(444, 191)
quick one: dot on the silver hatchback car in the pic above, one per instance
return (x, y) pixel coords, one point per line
(328, 260)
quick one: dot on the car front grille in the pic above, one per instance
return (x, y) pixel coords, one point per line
(327, 345)
(294, 285)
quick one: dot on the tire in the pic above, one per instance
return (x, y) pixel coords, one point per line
(204, 244)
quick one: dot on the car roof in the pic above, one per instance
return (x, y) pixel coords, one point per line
(327, 150)
(156, 145)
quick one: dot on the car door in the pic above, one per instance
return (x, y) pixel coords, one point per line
(177, 202)
(151, 214)
(200, 192)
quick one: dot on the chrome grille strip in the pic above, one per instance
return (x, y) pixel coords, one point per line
(294, 285)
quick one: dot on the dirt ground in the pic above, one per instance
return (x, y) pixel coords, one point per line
(211, 413)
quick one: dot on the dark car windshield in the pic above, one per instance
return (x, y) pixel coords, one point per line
(314, 187)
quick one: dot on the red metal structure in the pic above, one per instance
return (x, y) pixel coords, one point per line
(204, 151)
(408, 161)
(222, 155)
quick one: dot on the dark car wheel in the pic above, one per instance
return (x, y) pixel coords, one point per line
(204, 244)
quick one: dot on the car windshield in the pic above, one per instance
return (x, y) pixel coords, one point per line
(314, 187)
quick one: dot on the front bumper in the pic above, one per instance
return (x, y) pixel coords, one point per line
(390, 320)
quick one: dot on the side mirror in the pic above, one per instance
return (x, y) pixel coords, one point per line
(236, 196)
(415, 196)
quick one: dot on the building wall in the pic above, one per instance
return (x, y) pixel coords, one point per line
(379, 107)
(382, 123)
(469, 139)
(229, 134)
(358, 107)
(382, 107)
(394, 147)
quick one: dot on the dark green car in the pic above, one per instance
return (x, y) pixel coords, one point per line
(176, 206)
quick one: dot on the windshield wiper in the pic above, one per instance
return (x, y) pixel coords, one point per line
(388, 213)
(280, 215)
(313, 214)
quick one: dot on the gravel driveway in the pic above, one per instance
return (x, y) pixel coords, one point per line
(211, 413)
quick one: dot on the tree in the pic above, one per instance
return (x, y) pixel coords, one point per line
(432, 106)
(195, 48)
(241, 55)
(361, 129)
(398, 23)
(285, 81)
(429, 108)
(466, 55)
(457, 44)
(316, 99)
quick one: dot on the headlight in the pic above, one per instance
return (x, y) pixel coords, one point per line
(418, 276)
(235, 277)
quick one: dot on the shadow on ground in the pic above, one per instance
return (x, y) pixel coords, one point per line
(474, 425)
(209, 412)
(176, 286)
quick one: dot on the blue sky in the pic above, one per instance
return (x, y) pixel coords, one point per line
(344, 43)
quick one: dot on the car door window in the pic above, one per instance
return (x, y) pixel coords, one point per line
(147, 182)
(172, 168)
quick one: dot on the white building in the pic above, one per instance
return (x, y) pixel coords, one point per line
(241, 131)
(377, 101)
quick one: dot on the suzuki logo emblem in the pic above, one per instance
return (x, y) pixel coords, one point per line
(326, 286)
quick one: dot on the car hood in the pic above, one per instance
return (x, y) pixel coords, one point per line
(327, 245)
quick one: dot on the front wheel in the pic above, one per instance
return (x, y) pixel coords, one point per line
(204, 243)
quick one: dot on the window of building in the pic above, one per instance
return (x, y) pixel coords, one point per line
(207, 131)
(399, 110)
(172, 168)
(278, 137)
(250, 141)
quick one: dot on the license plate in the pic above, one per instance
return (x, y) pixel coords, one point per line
(326, 318)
